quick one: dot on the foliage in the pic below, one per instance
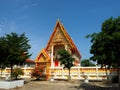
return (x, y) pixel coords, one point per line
(16, 72)
(87, 62)
(38, 72)
(18, 48)
(66, 59)
(3, 52)
(106, 44)
(14, 49)
(2, 67)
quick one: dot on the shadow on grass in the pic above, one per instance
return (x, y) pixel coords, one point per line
(87, 86)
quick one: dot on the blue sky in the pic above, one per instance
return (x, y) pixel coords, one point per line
(37, 19)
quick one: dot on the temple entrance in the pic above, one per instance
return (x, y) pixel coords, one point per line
(56, 49)
(46, 66)
(43, 64)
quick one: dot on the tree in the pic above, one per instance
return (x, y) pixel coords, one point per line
(106, 44)
(17, 72)
(87, 62)
(3, 53)
(17, 49)
(38, 72)
(66, 59)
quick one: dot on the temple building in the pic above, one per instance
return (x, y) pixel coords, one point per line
(59, 40)
(48, 58)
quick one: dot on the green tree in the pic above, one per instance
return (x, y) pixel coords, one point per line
(3, 53)
(66, 59)
(16, 72)
(17, 49)
(106, 44)
(86, 62)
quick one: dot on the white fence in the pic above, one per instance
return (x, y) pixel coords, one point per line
(80, 73)
(6, 72)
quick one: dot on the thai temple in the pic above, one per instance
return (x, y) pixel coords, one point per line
(48, 57)
(59, 40)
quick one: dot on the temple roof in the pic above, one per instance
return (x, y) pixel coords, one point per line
(41, 54)
(68, 38)
(29, 61)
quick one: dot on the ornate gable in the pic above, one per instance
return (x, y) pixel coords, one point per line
(60, 36)
(42, 57)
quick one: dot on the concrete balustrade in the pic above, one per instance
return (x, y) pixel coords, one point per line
(80, 73)
(92, 73)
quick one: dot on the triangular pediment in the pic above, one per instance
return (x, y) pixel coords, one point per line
(42, 56)
(60, 36)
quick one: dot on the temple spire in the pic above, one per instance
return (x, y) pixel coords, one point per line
(58, 19)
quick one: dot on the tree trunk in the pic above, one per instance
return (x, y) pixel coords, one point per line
(1, 74)
(69, 78)
(16, 78)
(119, 79)
(1, 68)
(11, 72)
(118, 75)
(107, 74)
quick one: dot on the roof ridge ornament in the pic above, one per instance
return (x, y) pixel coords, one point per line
(58, 19)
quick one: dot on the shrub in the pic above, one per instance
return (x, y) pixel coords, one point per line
(16, 72)
(38, 73)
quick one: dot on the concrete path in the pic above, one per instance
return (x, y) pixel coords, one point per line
(64, 85)
(46, 85)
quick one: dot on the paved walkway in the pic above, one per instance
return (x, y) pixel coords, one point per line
(46, 85)
(64, 85)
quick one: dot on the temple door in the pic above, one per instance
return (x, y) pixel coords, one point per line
(56, 62)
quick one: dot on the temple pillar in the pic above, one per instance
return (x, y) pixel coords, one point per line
(52, 64)
(66, 47)
(59, 64)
